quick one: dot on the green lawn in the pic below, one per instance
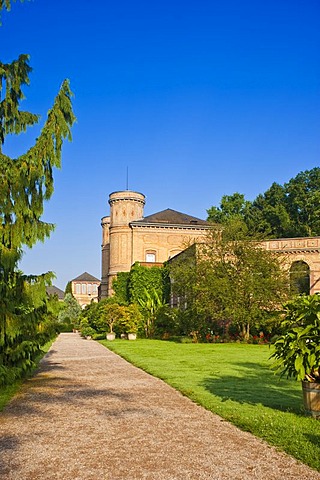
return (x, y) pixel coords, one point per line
(234, 381)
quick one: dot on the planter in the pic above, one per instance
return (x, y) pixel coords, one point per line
(110, 336)
(132, 336)
(311, 398)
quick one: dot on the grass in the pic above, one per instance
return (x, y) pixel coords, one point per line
(234, 381)
(7, 392)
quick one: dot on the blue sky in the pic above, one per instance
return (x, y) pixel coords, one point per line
(197, 98)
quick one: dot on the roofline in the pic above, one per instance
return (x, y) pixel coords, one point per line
(138, 223)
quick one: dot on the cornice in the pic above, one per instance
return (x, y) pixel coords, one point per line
(169, 226)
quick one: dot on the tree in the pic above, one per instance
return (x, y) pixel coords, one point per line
(71, 310)
(231, 206)
(111, 314)
(233, 280)
(303, 203)
(268, 213)
(288, 210)
(25, 183)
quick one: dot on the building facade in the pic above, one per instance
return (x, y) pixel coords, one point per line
(85, 289)
(129, 237)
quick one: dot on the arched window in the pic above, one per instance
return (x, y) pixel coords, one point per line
(300, 277)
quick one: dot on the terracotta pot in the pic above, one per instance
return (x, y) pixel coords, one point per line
(311, 398)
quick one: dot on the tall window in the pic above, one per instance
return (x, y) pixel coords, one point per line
(78, 288)
(89, 286)
(83, 288)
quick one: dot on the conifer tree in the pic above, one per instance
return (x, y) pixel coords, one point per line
(26, 183)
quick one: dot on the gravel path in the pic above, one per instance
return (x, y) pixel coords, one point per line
(88, 414)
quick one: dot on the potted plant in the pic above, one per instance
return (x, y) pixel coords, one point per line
(111, 314)
(297, 349)
(130, 321)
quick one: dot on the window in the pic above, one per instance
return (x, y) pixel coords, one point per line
(150, 257)
(84, 288)
(89, 288)
(95, 288)
(78, 288)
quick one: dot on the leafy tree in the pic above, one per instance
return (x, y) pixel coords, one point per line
(288, 210)
(131, 319)
(268, 213)
(111, 314)
(232, 279)
(231, 207)
(303, 203)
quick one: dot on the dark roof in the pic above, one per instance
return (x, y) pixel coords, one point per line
(85, 277)
(171, 217)
(52, 290)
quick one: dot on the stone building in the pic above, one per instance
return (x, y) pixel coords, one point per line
(129, 237)
(85, 289)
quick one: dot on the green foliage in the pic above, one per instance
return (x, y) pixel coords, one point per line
(228, 278)
(86, 330)
(111, 314)
(70, 312)
(120, 287)
(303, 203)
(151, 304)
(145, 279)
(297, 350)
(28, 325)
(131, 319)
(231, 207)
(68, 288)
(108, 316)
(26, 182)
(147, 287)
(288, 210)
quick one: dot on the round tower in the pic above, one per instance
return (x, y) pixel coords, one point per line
(105, 256)
(125, 207)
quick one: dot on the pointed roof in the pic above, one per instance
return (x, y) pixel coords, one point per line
(171, 217)
(53, 290)
(85, 277)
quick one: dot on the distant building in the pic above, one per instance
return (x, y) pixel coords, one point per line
(85, 289)
(55, 291)
(129, 237)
